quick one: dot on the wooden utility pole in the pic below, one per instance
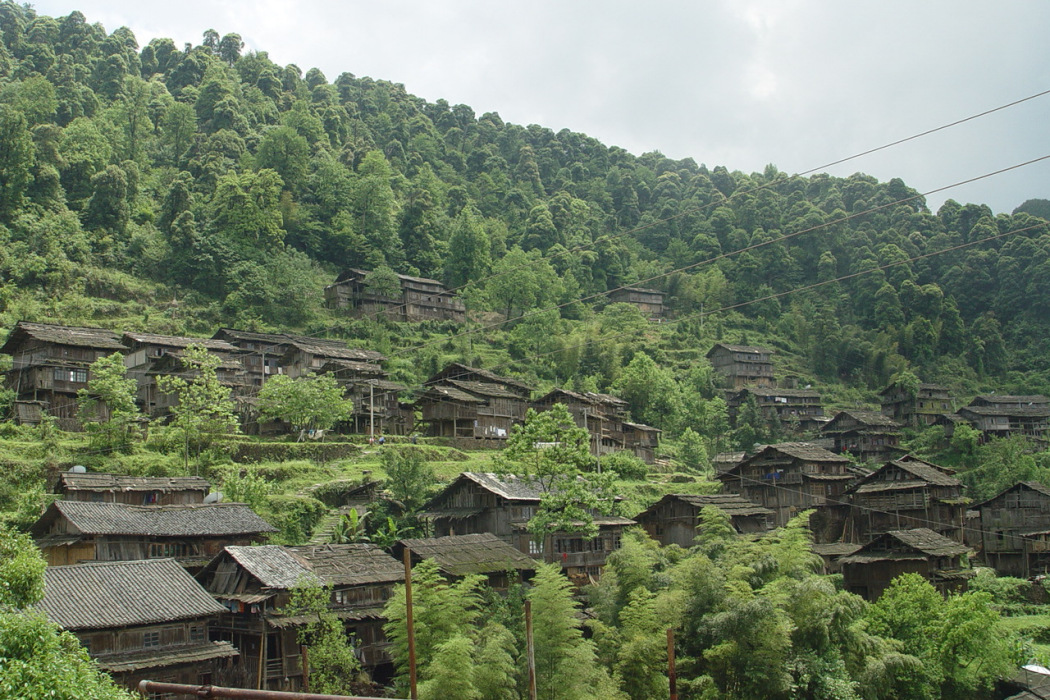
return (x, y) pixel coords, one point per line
(531, 649)
(411, 627)
(672, 675)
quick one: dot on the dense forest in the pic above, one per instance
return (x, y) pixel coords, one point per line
(179, 189)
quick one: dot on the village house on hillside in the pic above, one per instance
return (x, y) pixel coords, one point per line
(603, 416)
(917, 410)
(792, 409)
(254, 584)
(1002, 416)
(261, 353)
(941, 561)
(1013, 530)
(71, 532)
(503, 505)
(420, 299)
(674, 518)
(308, 355)
(462, 555)
(472, 403)
(131, 490)
(902, 494)
(150, 356)
(649, 301)
(742, 365)
(789, 477)
(868, 436)
(49, 365)
(140, 620)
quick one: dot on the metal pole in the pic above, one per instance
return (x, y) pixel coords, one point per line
(410, 625)
(531, 647)
(214, 691)
(672, 675)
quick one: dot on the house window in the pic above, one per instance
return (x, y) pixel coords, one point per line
(151, 639)
(71, 375)
(198, 633)
(535, 547)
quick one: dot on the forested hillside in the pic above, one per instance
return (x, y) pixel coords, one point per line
(178, 188)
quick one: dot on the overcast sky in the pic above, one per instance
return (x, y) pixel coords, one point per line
(739, 83)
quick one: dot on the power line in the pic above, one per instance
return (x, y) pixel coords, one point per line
(776, 181)
(723, 256)
(768, 185)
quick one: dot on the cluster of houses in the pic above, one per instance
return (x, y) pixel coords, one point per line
(421, 299)
(869, 436)
(159, 581)
(50, 364)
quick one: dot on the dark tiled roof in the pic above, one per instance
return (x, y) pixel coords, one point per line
(923, 542)
(201, 519)
(350, 564)
(77, 336)
(173, 341)
(128, 661)
(284, 567)
(1033, 485)
(273, 565)
(119, 482)
(729, 503)
(457, 370)
(923, 472)
(510, 486)
(751, 349)
(1008, 399)
(460, 555)
(483, 389)
(1017, 411)
(122, 594)
(766, 392)
(331, 349)
(443, 393)
(865, 418)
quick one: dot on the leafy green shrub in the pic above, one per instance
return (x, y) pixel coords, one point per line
(625, 465)
(294, 516)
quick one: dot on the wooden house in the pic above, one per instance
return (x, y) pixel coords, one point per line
(49, 365)
(903, 494)
(793, 409)
(1002, 415)
(149, 356)
(941, 561)
(919, 409)
(1011, 523)
(140, 620)
(132, 490)
(742, 365)
(674, 518)
(71, 532)
(641, 439)
(420, 299)
(467, 402)
(375, 398)
(868, 436)
(601, 415)
(254, 585)
(479, 553)
(831, 552)
(789, 477)
(478, 502)
(261, 353)
(649, 301)
(308, 355)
